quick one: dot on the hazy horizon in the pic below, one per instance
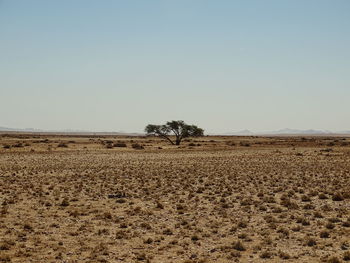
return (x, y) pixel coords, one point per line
(232, 132)
(222, 65)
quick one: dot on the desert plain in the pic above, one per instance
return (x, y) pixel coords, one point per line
(75, 198)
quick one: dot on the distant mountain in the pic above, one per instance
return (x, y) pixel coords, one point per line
(294, 131)
(36, 130)
(19, 130)
(241, 133)
(286, 131)
(67, 131)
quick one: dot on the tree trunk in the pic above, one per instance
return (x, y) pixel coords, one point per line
(166, 138)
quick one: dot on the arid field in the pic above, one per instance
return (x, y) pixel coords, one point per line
(139, 199)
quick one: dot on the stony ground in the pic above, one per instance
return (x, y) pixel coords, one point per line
(214, 199)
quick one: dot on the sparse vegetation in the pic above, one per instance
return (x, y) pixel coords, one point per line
(205, 201)
(137, 146)
(62, 145)
(346, 256)
(120, 144)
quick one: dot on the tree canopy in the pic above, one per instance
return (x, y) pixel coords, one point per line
(179, 129)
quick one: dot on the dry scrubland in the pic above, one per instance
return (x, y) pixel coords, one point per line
(214, 199)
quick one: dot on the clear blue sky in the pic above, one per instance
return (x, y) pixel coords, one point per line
(223, 65)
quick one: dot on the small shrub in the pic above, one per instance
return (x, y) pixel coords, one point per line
(337, 197)
(234, 254)
(324, 234)
(311, 242)
(345, 245)
(318, 214)
(322, 196)
(242, 224)
(120, 201)
(194, 238)
(327, 150)
(303, 221)
(289, 204)
(137, 146)
(120, 144)
(333, 260)
(6, 244)
(141, 257)
(284, 255)
(334, 220)
(159, 205)
(107, 215)
(109, 146)
(5, 258)
(148, 241)
(296, 228)
(167, 232)
(305, 198)
(27, 227)
(308, 206)
(244, 144)
(121, 234)
(346, 256)
(238, 245)
(266, 254)
(65, 202)
(330, 225)
(123, 225)
(346, 223)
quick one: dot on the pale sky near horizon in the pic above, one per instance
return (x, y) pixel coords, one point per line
(223, 65)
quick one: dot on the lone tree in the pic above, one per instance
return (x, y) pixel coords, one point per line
(178, 128)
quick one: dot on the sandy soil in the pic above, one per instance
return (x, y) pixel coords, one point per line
(213, 199)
